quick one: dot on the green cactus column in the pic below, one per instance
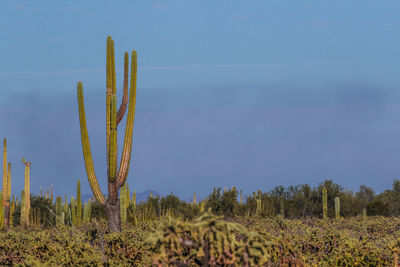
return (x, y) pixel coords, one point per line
(324, 203)
(116, 177)
(128, 195)
(12, 209)
(6, 187)
(194, 202)
(1, 210)
(27, 192)
(364, 213)
(59, 210)
(22, 219)
(258, 210)
(123, 205)
(78, 204)
(337, 207)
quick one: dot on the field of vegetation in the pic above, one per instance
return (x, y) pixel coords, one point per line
(283, 227)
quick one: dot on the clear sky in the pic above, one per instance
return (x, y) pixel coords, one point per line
(247, 93)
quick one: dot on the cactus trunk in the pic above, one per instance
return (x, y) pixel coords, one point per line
(123, 205)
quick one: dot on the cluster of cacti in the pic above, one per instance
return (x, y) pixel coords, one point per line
(337, 207)
(324, 203)
(116, 178)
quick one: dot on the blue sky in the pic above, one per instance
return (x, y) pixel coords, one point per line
(229, 93)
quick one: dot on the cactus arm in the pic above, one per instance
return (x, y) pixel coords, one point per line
(108, 97)
(122, 108)
(127, 149)
(87, 154)
(113, 142)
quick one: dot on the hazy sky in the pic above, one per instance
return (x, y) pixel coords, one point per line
(247, 93)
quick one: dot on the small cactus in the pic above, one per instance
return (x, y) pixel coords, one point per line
(337, 207)
(78, 204)
(324, 203)
(59, 211)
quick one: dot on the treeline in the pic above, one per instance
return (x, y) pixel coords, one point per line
(290, 202)
(297, 201)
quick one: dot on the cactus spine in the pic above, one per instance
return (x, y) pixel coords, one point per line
(337, 207)
(116, 178)
(324, 203)
(27, 192)
(78, 204)
(59, 211)
(123, 205)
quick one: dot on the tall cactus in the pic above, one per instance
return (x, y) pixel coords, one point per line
(78, 203)
(116, 178)
(6, 187)
(324, 203)
(194, 199)
(27, 191)
(123, 205)
(241, 197)
(337, 207)
(364, 213)
(59, 210)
